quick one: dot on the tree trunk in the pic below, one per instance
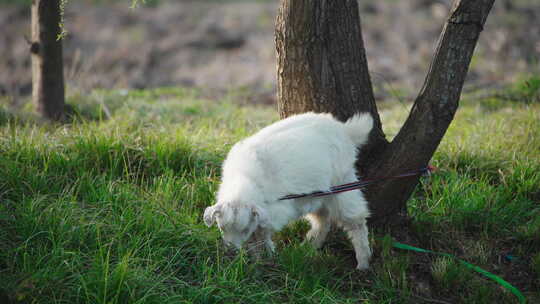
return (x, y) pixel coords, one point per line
(322, 64)
(47, 64)
(322, 67)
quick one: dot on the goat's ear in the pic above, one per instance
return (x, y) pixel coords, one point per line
(210, 214)
(261, 215)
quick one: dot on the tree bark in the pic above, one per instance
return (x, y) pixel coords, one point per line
(322, 68)
(322, 65)
(47, 63)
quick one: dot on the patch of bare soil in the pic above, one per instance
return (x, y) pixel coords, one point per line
(219, 46)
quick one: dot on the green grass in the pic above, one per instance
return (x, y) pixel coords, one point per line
(107, 209)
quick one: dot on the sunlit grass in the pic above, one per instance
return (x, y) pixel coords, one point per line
(107, 209)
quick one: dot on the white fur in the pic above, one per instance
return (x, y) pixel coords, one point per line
(300, 154)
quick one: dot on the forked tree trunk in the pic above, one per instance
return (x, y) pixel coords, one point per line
(322, 67)
(47, 64)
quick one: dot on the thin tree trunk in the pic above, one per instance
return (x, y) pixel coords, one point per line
(322, 68)
(47, 64)
(433, 110)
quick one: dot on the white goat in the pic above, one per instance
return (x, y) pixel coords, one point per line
(300, 154)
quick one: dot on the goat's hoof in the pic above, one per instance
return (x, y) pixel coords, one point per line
(363, 266)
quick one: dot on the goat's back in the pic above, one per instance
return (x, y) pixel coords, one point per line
(299, 154)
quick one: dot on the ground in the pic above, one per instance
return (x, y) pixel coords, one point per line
(108, 208)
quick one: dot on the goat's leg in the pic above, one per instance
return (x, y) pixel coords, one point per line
(320, 226)
(358, 233)
(352, 214)
(261, 239)
(268, 243)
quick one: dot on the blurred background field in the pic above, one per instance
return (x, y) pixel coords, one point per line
(219, 46)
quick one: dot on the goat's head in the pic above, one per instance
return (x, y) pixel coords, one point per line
(236, 222)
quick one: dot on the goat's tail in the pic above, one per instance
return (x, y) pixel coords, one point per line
(358, 128)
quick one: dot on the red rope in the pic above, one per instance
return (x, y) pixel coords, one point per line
(359, 184)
